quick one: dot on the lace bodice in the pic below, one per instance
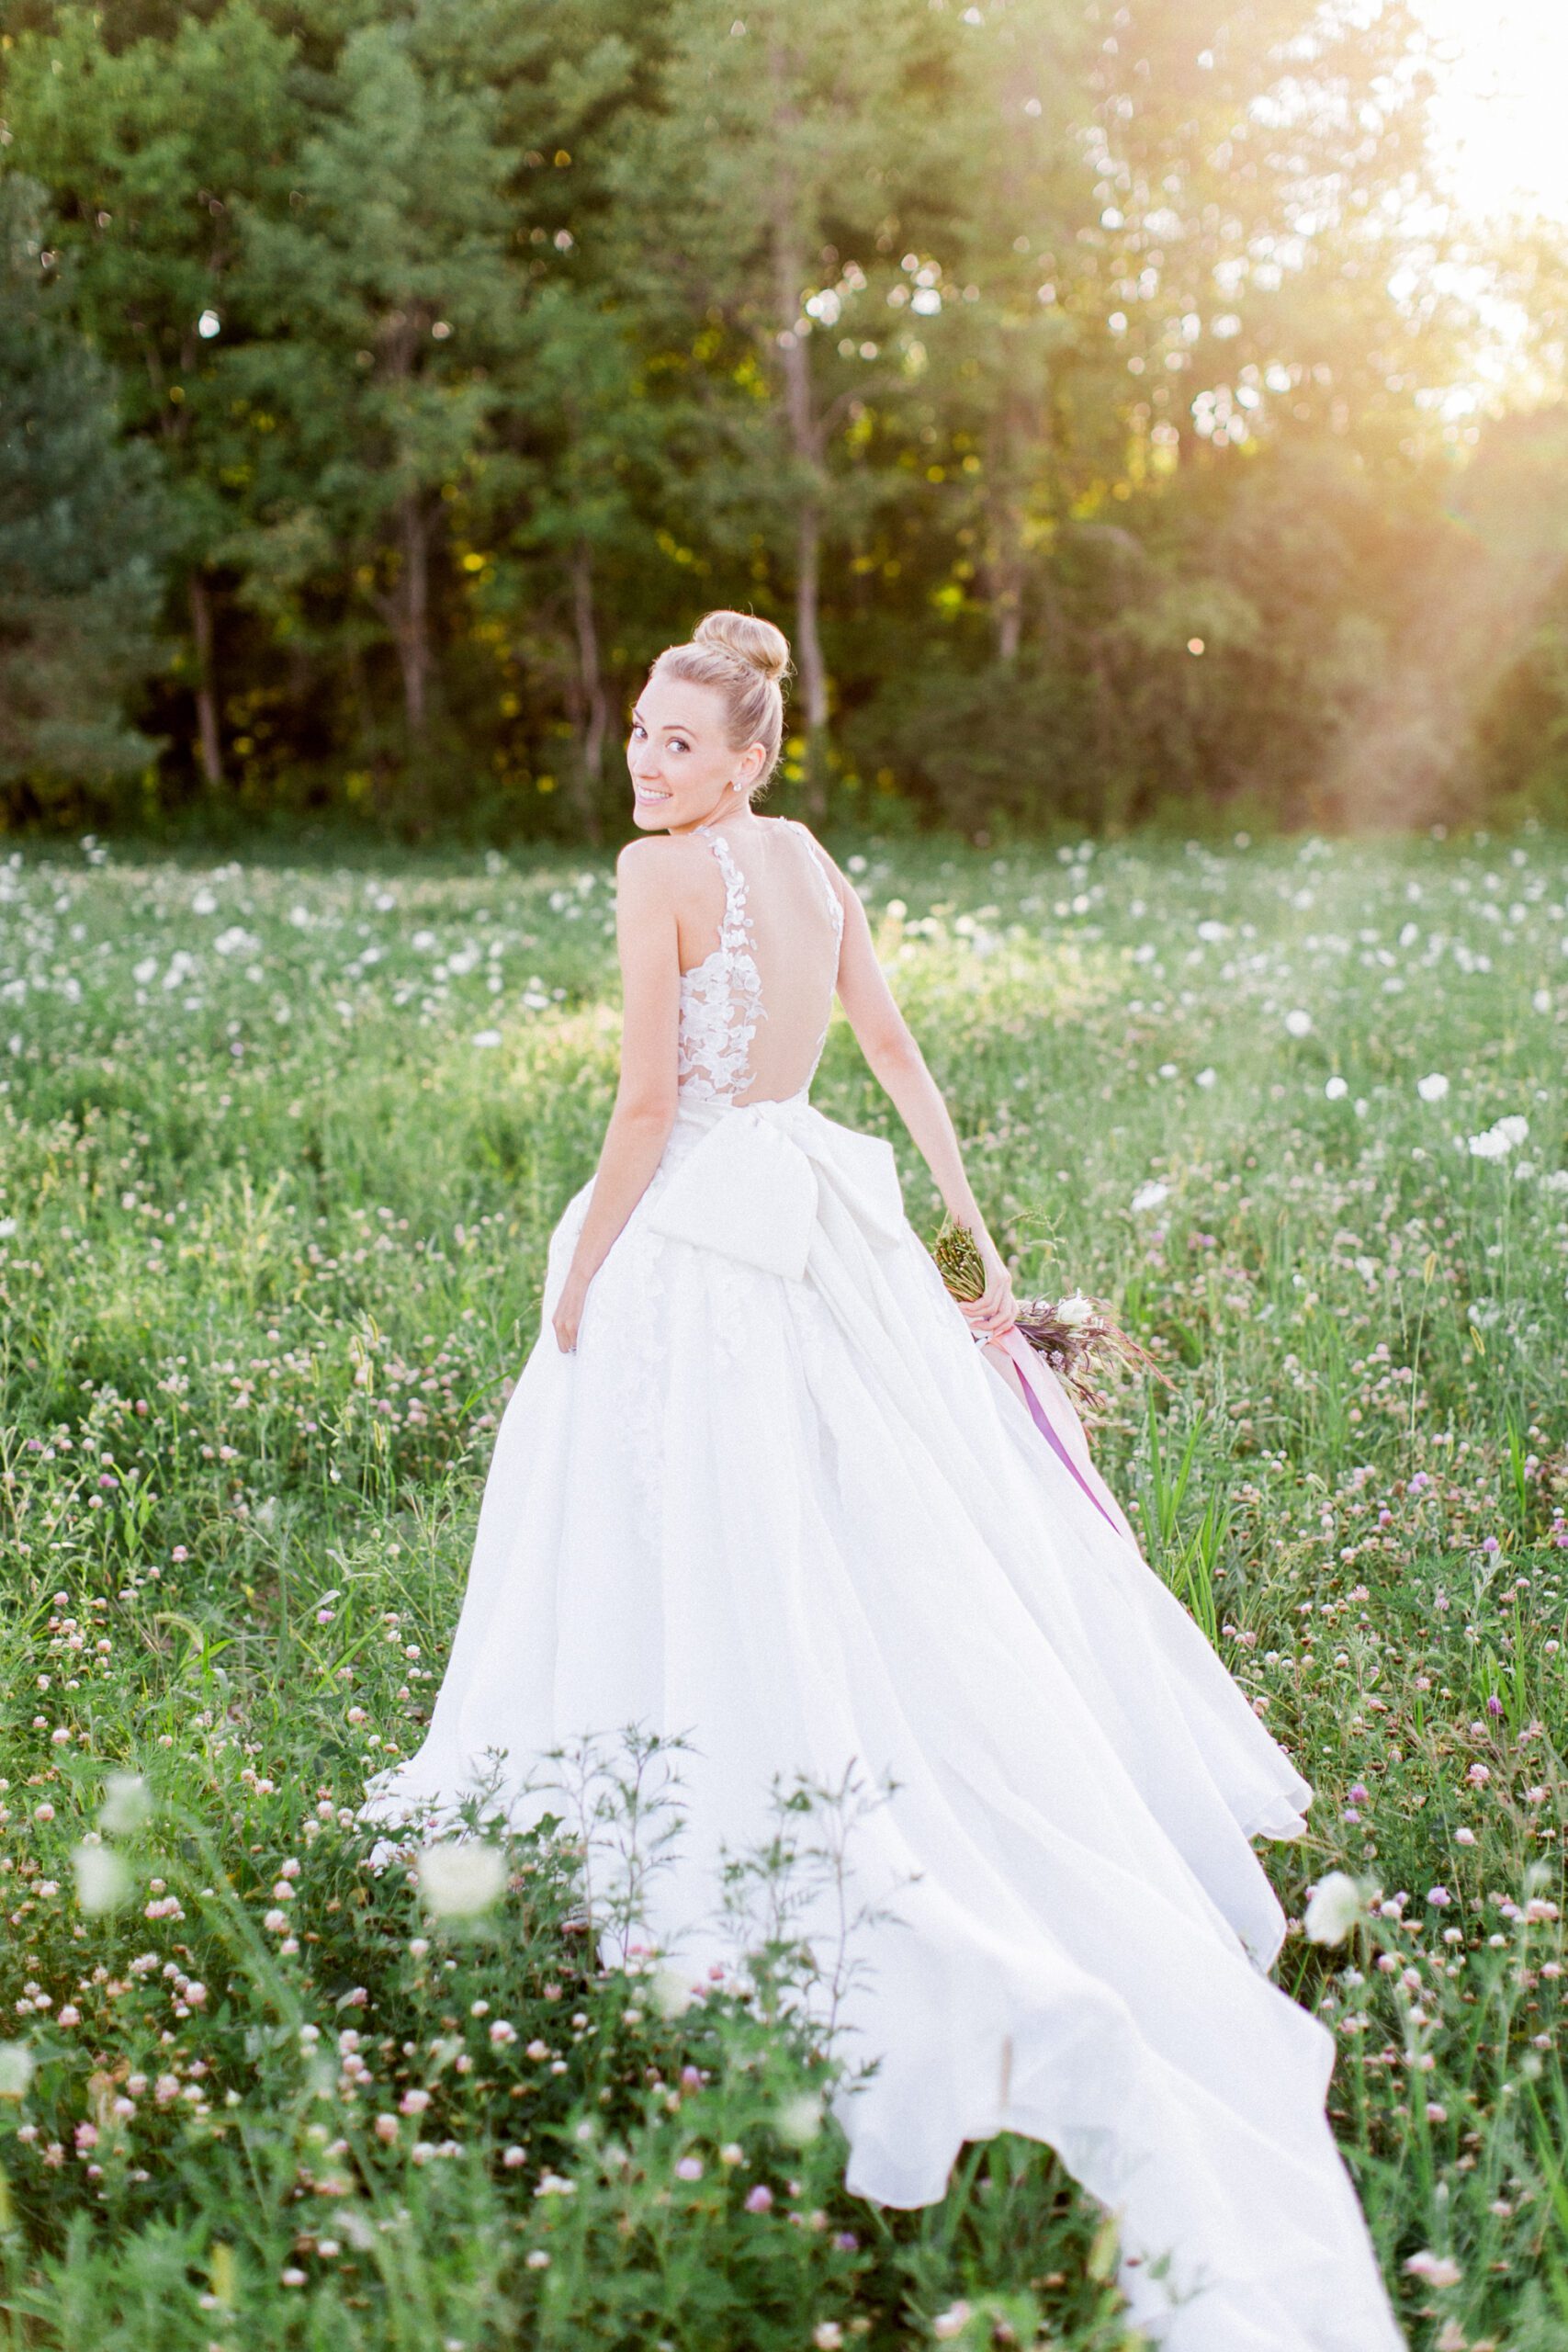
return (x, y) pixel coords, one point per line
(721, 998)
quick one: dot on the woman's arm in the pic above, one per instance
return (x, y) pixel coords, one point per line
(646, 1096)
(898, 1066)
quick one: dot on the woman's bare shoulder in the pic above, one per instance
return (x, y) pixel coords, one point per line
(656, 862)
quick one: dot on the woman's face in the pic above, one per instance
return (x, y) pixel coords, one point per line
(681, 760)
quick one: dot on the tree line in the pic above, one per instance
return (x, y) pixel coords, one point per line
(383, 382)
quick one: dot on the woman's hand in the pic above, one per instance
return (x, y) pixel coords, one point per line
(996, 1310)
(568, 1310)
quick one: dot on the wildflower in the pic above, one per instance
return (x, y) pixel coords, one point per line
(1298, 1023)
(1073, 1311)
(487, 1038)
(1335, 1088)
(538, 2259)
(514, 2158)
(460, 1879)
(386, 2128)
(759, 2200)
(413, 2102)
(500, 2033)
(1333, 1908)
(799, 2120)
(127, 1805)
(1433, 1087)
(103, 1879)
(672, 1994)
(689, 2168)
(16, 2066)
(1436, 2269)
(827, 2335)
(1150, 1195)
(1205, 1078)
(1440, 1898)
(731, 2153)
(950, 2323)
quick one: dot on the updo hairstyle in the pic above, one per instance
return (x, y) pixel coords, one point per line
(747, 660)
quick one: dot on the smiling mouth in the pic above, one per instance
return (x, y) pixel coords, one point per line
(645, 792)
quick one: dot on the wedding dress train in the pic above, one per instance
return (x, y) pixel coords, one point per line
(777, 1500)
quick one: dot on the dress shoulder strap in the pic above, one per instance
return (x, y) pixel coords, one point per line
(819, 863)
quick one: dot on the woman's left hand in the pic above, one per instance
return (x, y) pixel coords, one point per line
(568, 1311)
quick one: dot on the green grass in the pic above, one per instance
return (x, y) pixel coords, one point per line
(272, 1233)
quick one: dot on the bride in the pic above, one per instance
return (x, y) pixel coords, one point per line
(760, 1483)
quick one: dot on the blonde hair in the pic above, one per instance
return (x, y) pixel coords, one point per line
(748, 661)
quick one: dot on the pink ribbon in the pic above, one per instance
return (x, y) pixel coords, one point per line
(1042, 1390)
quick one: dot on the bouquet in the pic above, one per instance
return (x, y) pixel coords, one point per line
(1076, 1335)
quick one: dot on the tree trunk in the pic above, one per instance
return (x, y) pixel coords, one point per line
(209, 748)
(1004, 566)
(808, 654)
(593, 708)
(806, 447)
(411, 624)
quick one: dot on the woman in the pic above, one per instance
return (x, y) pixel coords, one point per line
(758, 1485)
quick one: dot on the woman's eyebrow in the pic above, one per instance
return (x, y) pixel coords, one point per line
(671, 726)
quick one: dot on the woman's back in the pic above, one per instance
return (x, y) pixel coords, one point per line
(755, 1006)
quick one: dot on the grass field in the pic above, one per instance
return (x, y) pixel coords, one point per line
(279, 1151)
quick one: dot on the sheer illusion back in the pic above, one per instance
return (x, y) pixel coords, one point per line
(754, 1013)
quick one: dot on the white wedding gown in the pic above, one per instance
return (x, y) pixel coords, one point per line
(778, 1500)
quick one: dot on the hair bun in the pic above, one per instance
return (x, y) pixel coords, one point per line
(757, 644)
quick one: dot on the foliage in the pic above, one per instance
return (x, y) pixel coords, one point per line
(80, 544)
(1005, 355)
(281, 1146)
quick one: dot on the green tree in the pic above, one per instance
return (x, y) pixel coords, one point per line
(382, 297)
(149, 148)
(80, 518)
(775, 174)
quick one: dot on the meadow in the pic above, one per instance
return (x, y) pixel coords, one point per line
(280, 1147)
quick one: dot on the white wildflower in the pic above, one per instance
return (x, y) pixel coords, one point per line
(127, 1805)
(1333, 1909)
(460, 1879)
(487, 1038)
(17, 2063)
(1335, 1088)
(1298, 1023)
(1150, 1195)
(1436, 2269)
(103, 1878)
(799, 2120)
(1433, 1087)
(673, 1993)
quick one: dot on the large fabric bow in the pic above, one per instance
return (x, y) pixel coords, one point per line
(757, 1183)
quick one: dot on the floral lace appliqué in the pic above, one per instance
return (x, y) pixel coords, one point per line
(721, 1001)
